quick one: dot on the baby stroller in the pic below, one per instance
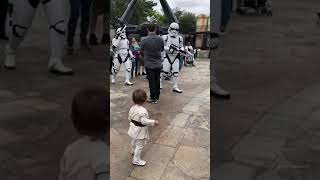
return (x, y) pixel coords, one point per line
(259, 7)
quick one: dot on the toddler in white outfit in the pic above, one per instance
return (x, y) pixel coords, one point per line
(139, 120)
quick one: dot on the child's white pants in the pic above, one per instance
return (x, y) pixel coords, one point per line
(137, 146)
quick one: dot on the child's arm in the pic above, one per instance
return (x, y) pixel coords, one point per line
(146, 121)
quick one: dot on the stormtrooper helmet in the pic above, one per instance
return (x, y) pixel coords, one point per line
(122, 33)
(173, 29)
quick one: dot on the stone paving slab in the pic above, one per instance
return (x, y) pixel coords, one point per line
(190, 158)
(155, 166)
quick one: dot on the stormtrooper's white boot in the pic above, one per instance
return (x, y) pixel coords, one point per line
(112, 79)
(175, 85)
(10, 59)
(56, 66)
(127, 82)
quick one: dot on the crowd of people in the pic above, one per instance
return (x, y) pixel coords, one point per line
(157, 56)
(21, 16)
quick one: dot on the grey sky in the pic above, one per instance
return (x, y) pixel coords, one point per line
(195, 6)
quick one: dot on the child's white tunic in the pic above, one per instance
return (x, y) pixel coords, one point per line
(139, 114)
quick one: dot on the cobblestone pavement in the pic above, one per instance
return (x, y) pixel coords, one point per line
(35, 124)
(179, 148)
(269, 129)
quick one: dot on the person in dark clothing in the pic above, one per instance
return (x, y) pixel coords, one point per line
(3, 14)
(79, 8)
(151, 49)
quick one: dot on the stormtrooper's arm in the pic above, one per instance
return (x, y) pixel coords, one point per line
(181, 43)
(115, 43)
(131, 54)
(166, 47)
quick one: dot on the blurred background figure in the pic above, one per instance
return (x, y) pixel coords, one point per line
(78, 8)
(98, 8)
(3, 15)
(135, 48)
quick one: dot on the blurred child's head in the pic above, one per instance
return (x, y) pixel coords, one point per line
(139, 96)
(89, 112)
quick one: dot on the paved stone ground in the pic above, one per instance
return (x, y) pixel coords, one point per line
(35, 124)
(269, 129)
(179, 148)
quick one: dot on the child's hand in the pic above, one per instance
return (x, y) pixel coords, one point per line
(156, 123)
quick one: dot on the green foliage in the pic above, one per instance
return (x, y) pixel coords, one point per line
(187, 23)
(142, 10)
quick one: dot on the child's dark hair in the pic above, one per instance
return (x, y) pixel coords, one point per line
(139, 96)
(89, 111)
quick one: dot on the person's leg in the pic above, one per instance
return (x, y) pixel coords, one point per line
(73, 21)
(133, 146)
(133, 67)
(105, 36)
(215, 21)
(116, 67)
(151, 80)
(128, 69)
(137, 153)
(157, 83)
(137, 66)
(3, 14)
(22, 16)
(175, 74)
(55, 11)
(93, 23)
(85, 18)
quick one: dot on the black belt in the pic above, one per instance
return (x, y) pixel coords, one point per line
(137, 123)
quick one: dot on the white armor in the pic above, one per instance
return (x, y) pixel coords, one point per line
(190, 52)
(172, 44)
(122, 54)
(22, 16)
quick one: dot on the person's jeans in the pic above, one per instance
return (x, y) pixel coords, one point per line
(226, 12)
(3, 14)
(154, 82)
(77, 7)
(135, 67)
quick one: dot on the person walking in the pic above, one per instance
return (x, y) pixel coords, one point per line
(135, 48)
(3, 14)
(151, 50)
(78, 8)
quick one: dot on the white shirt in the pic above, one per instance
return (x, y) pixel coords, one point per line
(139, 114)
(85, 159)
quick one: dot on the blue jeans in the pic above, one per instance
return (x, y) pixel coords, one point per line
(79, 8)
(226, 12)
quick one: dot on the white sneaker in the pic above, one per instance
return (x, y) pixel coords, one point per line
(128, 83)
(139, 163)
(176, 89)
(10, 61)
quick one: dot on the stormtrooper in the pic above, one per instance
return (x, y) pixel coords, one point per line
(122, 55)
(173, 47)
(22, 14)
